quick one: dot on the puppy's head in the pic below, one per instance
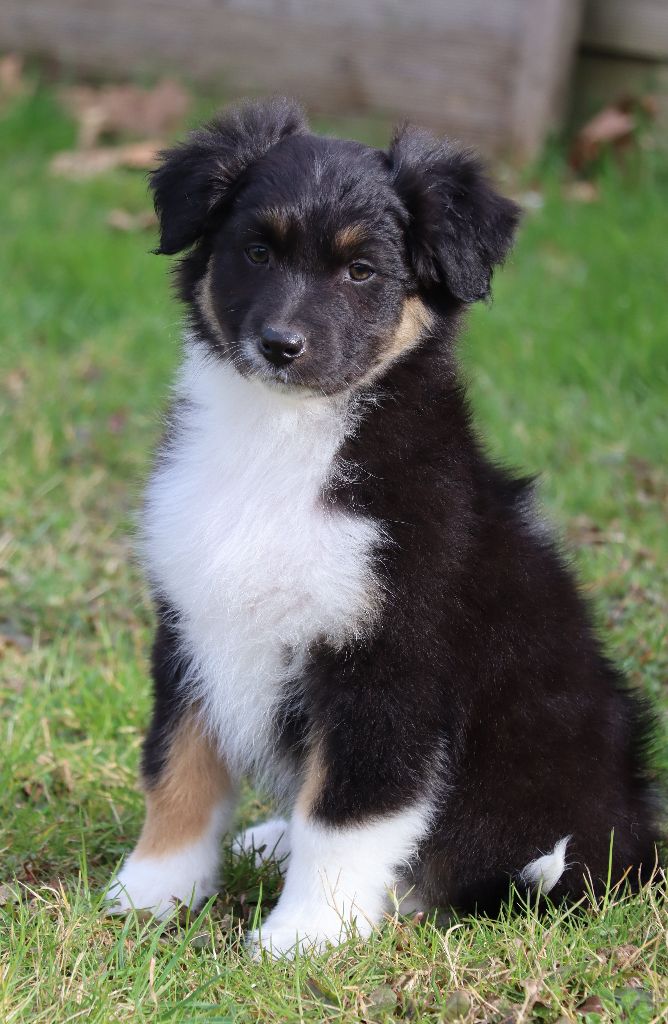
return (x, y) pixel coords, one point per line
(312, 262)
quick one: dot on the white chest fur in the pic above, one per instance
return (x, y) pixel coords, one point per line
(238, 540)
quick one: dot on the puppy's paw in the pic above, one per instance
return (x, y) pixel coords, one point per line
(158, 884)
(284, 941)
(283, 935)
(268, 841)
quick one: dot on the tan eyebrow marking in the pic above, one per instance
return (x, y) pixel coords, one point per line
(275, 219)
(350, 235)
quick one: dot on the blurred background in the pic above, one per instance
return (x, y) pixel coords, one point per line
(568, 372)
(500, 75)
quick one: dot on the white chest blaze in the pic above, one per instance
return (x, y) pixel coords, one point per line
(238, 540)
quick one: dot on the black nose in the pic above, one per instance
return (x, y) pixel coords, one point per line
(280, 345)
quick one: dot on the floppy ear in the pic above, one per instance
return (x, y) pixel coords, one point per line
(200, 175)
(459, 227)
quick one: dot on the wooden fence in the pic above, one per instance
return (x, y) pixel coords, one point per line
(495, 73)
(623, 51)
(492, 72)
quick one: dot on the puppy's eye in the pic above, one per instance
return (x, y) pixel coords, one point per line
(257, 254)
(360, 271)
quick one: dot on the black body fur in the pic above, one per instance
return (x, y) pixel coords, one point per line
(484, 650)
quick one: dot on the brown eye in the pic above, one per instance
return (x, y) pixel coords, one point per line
(257, 254)
(360, 271)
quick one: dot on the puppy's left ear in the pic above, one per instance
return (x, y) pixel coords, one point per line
(198, 177)
(459, 227)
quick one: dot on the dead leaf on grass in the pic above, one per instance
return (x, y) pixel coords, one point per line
(381, 1002)
(123, 220)
(651, 480)
(625, 955)
(581, 192)
(15, 382)
(592, 1004)
(613, 128)
(11, 636)
(12, 82)
(65, 775)
(120, 110)
(457, 1005)
(610, 127)
(81, 164)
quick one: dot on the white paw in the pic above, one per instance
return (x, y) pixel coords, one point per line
(282, 935)
(268, 841)
(157, 884)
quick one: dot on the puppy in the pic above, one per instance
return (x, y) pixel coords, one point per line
(356, 608)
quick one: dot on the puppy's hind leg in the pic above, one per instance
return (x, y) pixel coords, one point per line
(188, 807)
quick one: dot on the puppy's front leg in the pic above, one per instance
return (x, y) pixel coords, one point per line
(338, 875)
(188, 806)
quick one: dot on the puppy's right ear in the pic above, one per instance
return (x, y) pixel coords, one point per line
(200, 175)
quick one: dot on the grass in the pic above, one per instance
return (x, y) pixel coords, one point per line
(569, 371)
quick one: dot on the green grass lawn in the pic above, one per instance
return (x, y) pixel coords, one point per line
(569, 371)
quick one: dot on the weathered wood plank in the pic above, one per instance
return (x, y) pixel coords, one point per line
(634, 27)
(490, 74)
(549, 33)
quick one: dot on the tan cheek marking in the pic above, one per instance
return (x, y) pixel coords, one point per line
(314, 780)
(415, 320)
(349, 236)
(205, 303)
(180, 804)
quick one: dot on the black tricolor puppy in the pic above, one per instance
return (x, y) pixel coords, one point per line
(356, 609)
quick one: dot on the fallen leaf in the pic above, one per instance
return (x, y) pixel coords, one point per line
(651, 480)
(457, 1005)
(13, 637)
(592, 1004)
(123, 220)
(382, 1001)
(581, 192)
(81, 164)
(65, 773)
(118, 110)
(609, 127)
(15, 382)
(12, 82)
(625, 954)
(583, 530)
(614, 128)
